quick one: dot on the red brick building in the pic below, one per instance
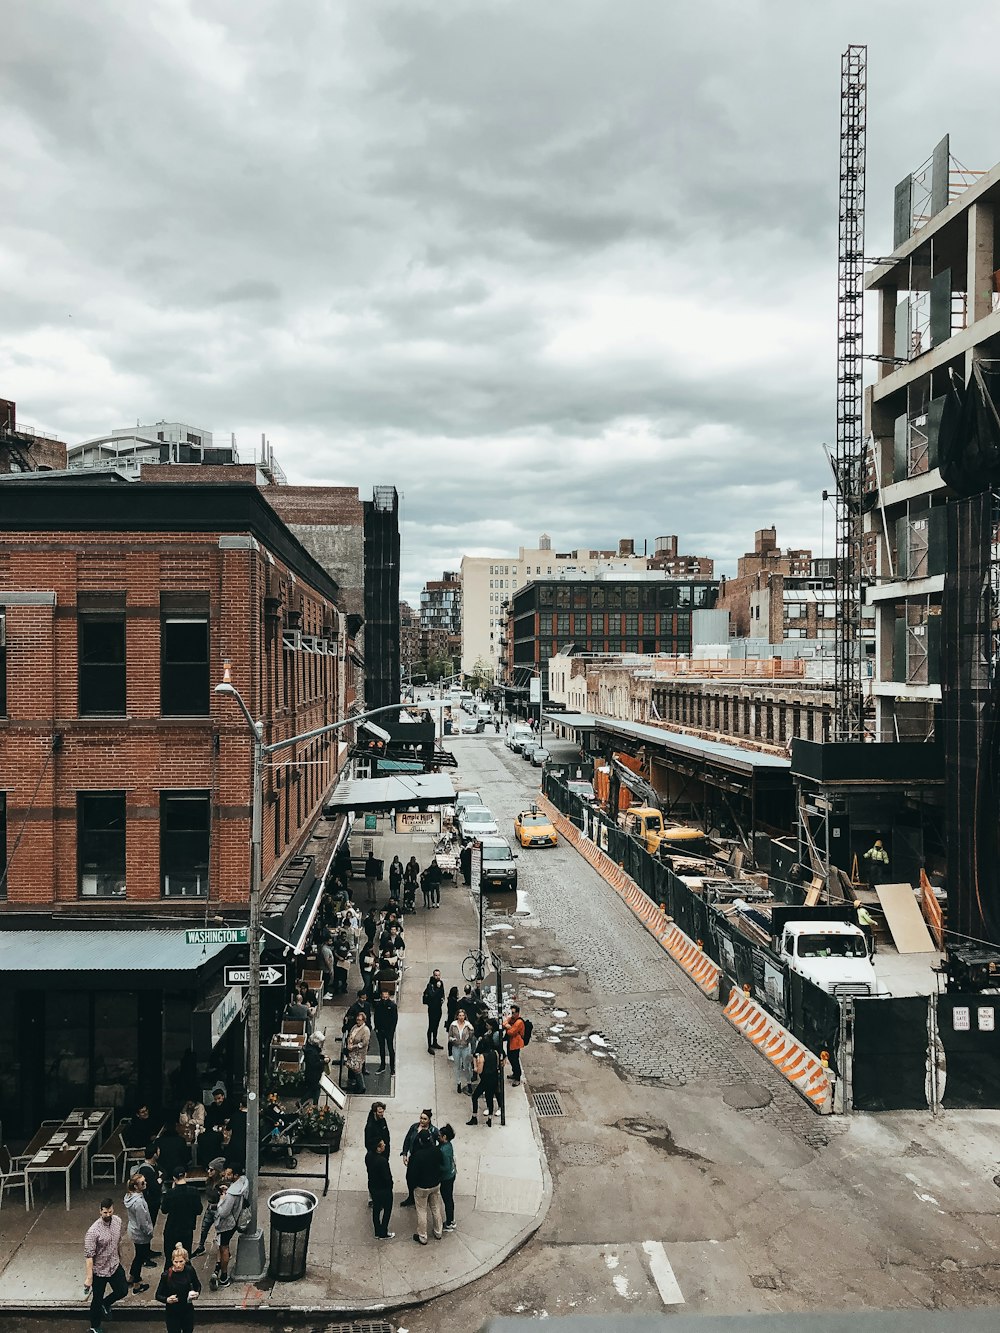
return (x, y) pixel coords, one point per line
(125, 779)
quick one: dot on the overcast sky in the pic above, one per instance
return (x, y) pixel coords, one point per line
(564, 267)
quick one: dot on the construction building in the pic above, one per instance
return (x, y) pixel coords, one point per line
(931, 420)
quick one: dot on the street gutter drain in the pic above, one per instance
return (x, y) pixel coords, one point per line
(547, 1103)
(366, 1326)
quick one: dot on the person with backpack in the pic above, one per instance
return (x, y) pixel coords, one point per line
(515, 1030)
(433, 998)
(232, 1214)
(487, 1067)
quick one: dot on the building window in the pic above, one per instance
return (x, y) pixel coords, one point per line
(632, 595)
(826, 634)
(185, 823)
(597, 622)
(631, 623)
(184, 671)
(795, 610)
(795, 634)
(100, 844)
(101, 654)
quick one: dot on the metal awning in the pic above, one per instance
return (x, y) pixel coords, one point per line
(575, 721)
(144, 950)
(412, 791)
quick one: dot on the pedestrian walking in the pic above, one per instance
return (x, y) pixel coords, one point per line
(358, 1040)
(369, 924)
(487, 1066)
(104, 1269)
(371, 878)
(514, 1031)
(327, 962)
(342, 954)
(386, 1018)
(177, 1290)
(450, 1010)
(425, 887)
(395, 879)
(465, 863)
(150, 1170)
(368, 965)
(380, 1188)
(229, 1213)
(213, 1193)
(140, 1231)
(425, 1124)
(446, 1137)
(434, 877)
(411, 875)
(461, 1035)
(182, 1205)
(425, 1172)
(433, 998)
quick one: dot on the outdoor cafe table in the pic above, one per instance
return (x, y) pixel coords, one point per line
(49, 1158)
(91, 1117)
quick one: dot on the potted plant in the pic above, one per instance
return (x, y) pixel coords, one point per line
(322, 1125)
(286, 1083)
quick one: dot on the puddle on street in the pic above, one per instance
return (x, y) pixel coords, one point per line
(560, 1013)
(540, 994)
(598, 1039)
(523, 906)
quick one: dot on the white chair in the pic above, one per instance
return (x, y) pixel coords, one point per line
(104, 1164)
(12, 1177)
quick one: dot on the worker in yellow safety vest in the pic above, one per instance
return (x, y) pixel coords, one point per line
(878, 860)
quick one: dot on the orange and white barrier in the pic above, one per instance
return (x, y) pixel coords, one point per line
(706, 974)
(801, 1067)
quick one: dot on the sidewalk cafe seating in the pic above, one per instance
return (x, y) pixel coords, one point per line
(111, 1155)
(14, 1177)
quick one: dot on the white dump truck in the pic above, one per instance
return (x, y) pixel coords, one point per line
(833, 955)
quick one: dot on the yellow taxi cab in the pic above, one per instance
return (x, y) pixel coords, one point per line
(534, 830)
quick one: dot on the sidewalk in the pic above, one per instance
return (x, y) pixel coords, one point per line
(502, 1192)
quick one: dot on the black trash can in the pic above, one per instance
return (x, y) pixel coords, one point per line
(291, 1218)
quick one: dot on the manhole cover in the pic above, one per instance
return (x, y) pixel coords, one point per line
(547, 1103)
(764, 1281)
(747, 1097)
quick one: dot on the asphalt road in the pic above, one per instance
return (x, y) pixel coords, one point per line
(688, 1177)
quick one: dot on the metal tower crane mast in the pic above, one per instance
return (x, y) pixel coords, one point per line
(849, 455)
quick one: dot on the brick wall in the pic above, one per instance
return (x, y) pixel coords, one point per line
(144, 753)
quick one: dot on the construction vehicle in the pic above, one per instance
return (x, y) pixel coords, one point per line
(647, 824)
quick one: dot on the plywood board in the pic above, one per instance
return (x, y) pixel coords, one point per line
(903, 917)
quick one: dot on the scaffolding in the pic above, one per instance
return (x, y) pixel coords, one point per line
(849, 454)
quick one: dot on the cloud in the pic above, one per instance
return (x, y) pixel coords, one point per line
(565, 268)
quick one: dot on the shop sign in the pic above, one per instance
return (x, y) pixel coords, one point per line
(225, 1013)
(418, 821)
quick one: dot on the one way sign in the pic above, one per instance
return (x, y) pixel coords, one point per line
(269, 976)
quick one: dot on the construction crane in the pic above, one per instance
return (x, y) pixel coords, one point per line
(848, 459)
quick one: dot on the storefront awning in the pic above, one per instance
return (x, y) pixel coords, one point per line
(147, 950)
(414, 791)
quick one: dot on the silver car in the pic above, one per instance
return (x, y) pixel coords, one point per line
(475, 821)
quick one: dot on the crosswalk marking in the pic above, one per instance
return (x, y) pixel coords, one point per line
(662, 1273)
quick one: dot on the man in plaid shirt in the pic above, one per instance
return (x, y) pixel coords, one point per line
(101, 1247)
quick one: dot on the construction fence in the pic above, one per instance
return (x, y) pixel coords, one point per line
(884, 1053)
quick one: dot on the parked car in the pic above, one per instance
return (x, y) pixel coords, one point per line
(464, 798)
(528, 747)
(534, 830)
(582, 788)
(476, 821)
(499, 870)
(518, 733)
(539, 756)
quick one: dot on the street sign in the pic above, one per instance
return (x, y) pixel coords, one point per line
(476, 869)
(224, 935)
(269, 975)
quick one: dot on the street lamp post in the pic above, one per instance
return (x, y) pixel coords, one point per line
(251, 1260)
